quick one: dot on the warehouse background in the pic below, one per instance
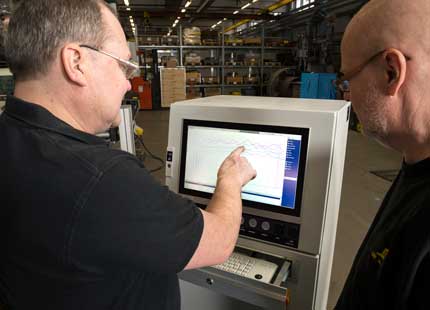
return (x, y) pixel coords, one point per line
(252, 47)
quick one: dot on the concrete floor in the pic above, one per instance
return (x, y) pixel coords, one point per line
(362, 191)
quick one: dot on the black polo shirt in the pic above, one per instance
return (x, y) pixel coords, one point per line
(83, 226)
(392, 268)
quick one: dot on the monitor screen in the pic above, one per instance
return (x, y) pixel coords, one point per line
(277, 153)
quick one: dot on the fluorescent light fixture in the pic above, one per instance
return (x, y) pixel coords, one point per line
(235, 12)
(245, 6)
(183, 10)
(188, 3)
(126, 3)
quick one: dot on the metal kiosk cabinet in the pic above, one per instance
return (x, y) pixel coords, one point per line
(301, 241)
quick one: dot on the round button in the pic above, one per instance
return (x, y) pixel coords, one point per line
(266, 226)
(258, 276)
(253, 223)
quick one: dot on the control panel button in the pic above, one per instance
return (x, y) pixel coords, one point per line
(253, 223)
(280, 232)
(265, 226)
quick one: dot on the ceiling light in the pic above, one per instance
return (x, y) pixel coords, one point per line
(253, 1)
(219, 23)
(130, 17)
(128, 9)
(126, 2)
(183, 10)
(178, 18)
(213, 26)
(225, 18)
(235, 12)
(245, 6)
(188, 4)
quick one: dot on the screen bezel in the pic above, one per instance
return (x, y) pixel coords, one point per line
(304, 132)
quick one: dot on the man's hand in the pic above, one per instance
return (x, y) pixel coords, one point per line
(224, 212)
(236, 169)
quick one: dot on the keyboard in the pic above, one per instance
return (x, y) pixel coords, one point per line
(249, 267)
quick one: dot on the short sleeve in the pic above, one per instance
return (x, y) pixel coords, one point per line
(130, 221)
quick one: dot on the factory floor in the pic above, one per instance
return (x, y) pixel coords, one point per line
(362, 190)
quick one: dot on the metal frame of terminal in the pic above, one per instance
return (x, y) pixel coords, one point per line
(304, 272)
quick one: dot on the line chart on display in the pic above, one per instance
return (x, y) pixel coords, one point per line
(208, 147)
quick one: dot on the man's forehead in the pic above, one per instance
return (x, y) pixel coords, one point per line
(116, 36)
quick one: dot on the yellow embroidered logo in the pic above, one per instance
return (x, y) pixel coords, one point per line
(380, 256)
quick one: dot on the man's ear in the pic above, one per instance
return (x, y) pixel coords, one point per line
(395, 70)
(74, 64)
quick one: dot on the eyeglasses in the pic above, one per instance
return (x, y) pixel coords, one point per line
(128, 67)
(348, 76)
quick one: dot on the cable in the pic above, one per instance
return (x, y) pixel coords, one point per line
(138, 135)
(139, 138)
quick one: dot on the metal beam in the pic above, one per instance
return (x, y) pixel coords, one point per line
(208, 15)
(269, 9)
(205, 4)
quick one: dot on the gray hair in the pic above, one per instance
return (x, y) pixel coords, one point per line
(39, 28)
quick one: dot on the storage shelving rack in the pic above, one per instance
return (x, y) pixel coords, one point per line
(222, 68)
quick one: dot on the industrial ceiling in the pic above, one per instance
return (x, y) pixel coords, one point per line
(151, 16)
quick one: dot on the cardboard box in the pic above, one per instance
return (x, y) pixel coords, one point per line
(234, 80)
(172, 86)
(193, 77)
(210, 80)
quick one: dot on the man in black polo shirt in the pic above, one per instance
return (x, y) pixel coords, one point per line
(385, 57)
(83, 226)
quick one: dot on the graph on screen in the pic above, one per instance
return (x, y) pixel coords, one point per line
(275, 156)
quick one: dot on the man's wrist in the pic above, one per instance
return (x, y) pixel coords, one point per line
(227, 184)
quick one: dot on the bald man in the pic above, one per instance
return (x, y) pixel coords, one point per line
(385, 57)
